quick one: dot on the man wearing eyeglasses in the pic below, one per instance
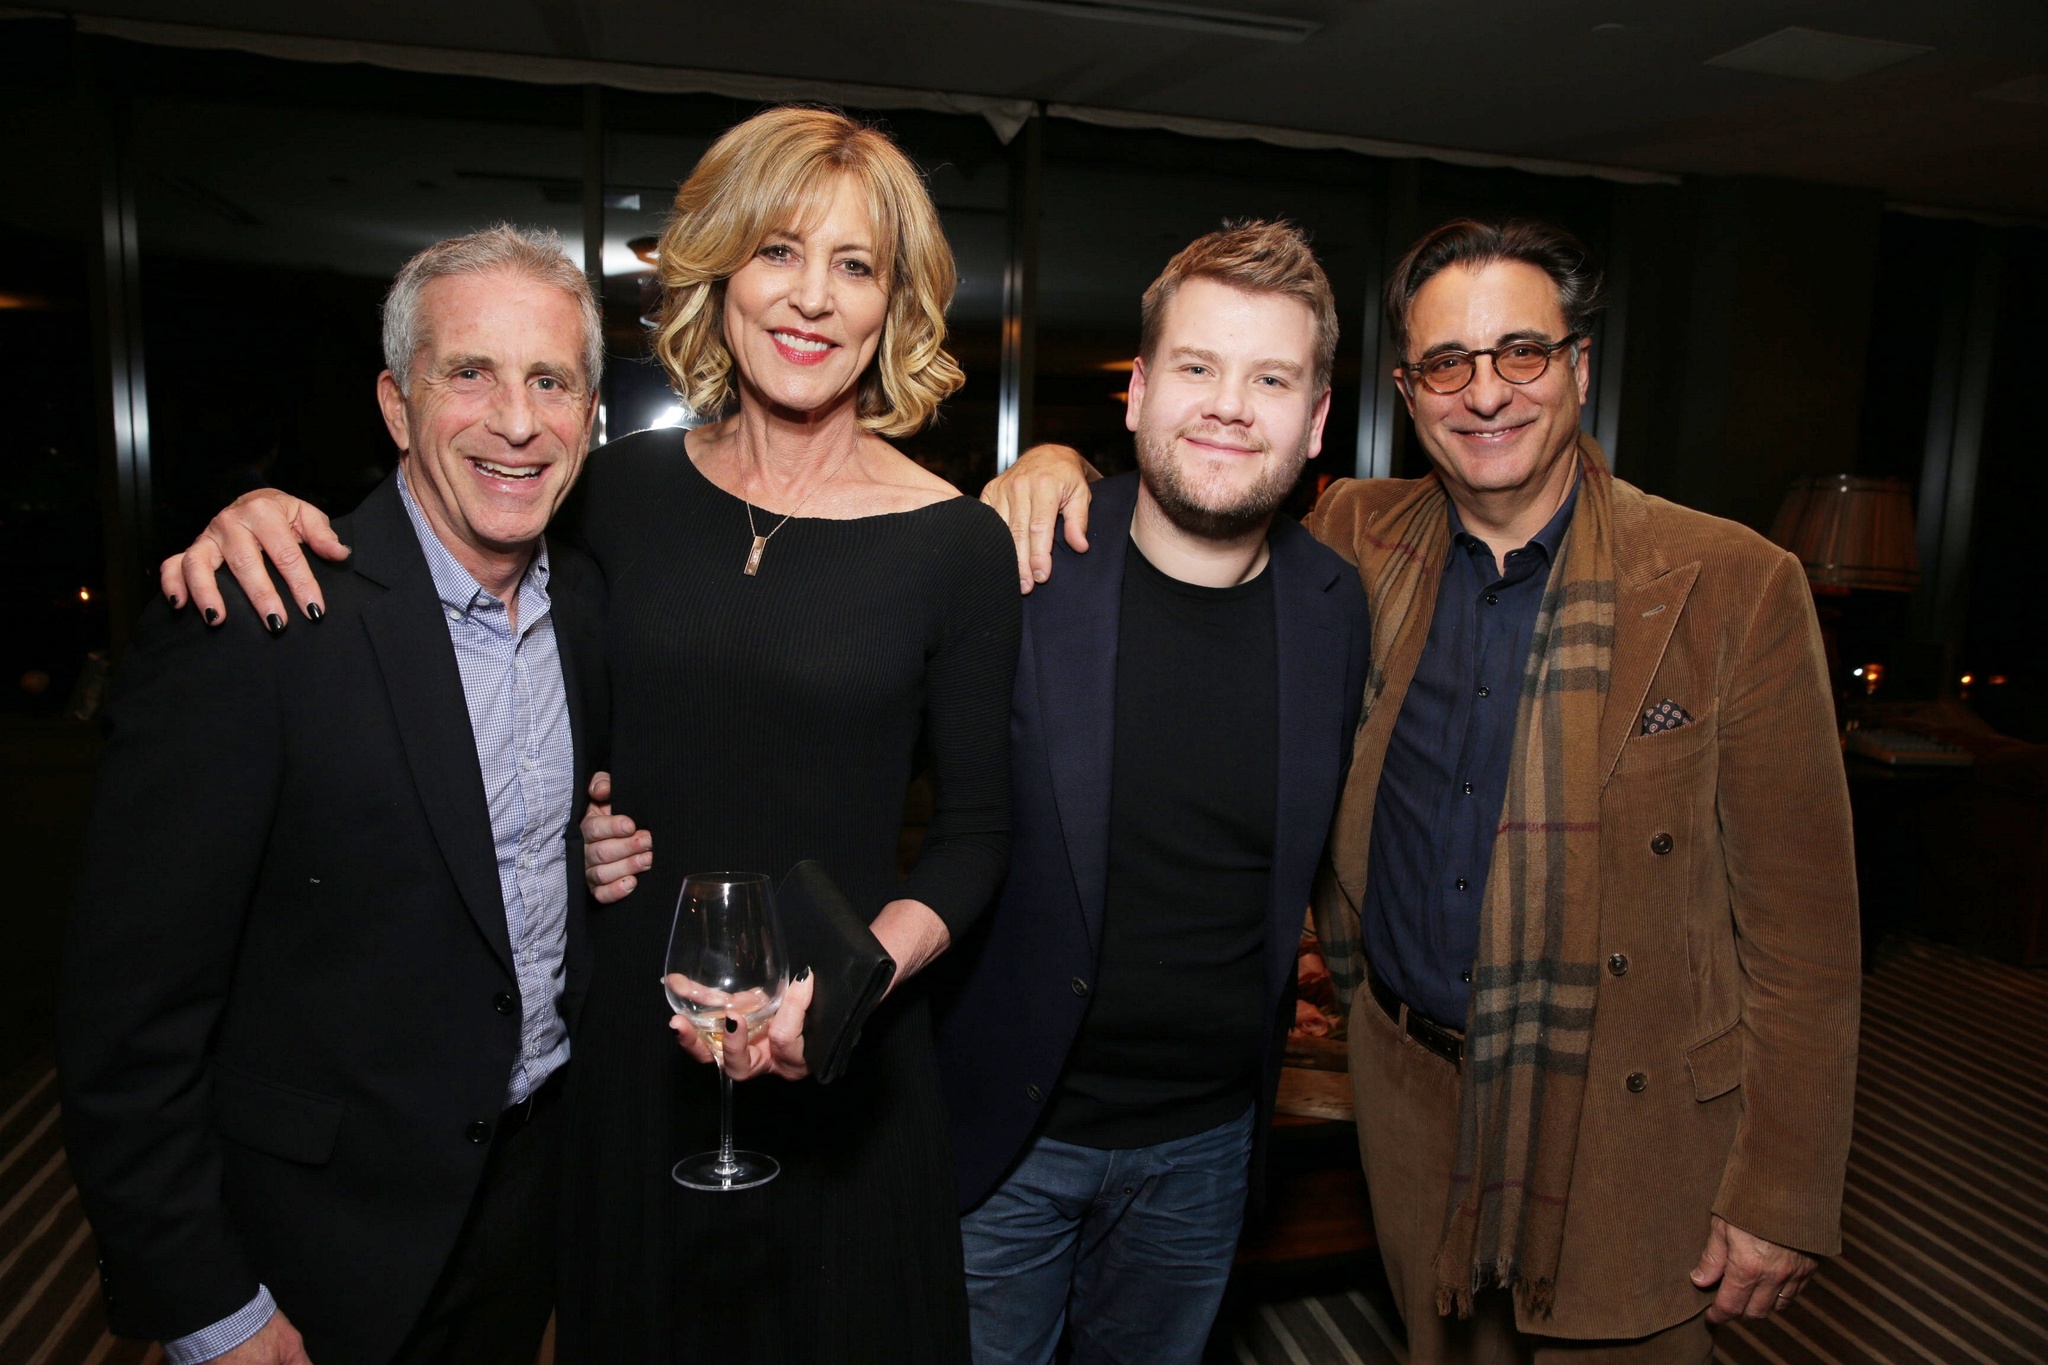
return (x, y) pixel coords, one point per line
(1590, 888)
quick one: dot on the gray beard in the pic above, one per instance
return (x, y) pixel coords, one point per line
(1249, 513)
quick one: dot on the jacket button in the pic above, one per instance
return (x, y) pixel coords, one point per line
(503, 1002)
(1034, 1093)
(1618, 964)
(1080, 986)
(1661, 844)
(478, 1132)
(1637, 1082)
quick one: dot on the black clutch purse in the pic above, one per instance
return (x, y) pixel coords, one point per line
(850, 968)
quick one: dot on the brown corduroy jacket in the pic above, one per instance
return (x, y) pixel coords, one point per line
(1728, 915)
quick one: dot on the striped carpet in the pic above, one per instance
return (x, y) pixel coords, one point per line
(1945, 1214)
(1945, 1221)
(49, 1290)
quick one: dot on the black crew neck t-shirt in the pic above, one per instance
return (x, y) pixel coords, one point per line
(1176, 1024)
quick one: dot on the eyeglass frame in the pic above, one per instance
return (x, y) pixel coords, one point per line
(1550, 350)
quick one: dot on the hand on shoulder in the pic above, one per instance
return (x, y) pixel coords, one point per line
(1047, 486)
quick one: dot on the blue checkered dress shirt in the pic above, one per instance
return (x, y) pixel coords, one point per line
(519, 713)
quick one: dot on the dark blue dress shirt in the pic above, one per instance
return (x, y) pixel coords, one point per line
(1446, 774)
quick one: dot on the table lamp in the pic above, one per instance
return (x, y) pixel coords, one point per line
(1853, 536)
(1850, 531)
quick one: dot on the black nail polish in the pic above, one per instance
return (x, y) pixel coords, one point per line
(732, 1025)
(313, 612)
(177, 603)
(274, 624)
(211, 616)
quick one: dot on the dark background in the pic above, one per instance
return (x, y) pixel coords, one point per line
(1784, 257)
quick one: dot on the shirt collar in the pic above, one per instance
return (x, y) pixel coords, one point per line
(1547, 540)
(456, 586)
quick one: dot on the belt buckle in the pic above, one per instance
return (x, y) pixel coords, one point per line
(1425, 1031)
(1436, 1038)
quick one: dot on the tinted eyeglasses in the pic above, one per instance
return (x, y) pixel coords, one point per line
(1518, 362)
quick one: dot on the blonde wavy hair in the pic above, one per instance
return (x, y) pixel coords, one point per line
(777, 172)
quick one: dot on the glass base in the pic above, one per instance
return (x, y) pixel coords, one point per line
(705, 1171)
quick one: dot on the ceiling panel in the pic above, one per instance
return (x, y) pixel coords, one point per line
(1620, 82)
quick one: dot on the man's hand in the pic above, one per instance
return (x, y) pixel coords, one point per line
(614, 850)
(1755, 1276)
(1030, 495)
(276, 1343)
(265, 522)
(777, 1050)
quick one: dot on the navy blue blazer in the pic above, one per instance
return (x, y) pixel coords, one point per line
(1019, 988)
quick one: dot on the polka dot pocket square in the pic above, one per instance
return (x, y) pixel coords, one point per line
(1665, 715)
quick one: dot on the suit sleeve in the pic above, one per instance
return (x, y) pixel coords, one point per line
(1784, 811)
(968, 679)
(186, 789)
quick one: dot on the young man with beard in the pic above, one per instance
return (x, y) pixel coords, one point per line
(1184, 702)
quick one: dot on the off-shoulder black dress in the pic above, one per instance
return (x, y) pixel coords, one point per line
(758, 721)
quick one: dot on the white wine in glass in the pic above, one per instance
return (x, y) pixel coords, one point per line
(725, 960)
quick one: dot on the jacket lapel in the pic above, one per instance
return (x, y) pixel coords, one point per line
(1649, 598)
(576, 606)
(1073, 621)
(418, 662)
(1311, 722)
(575, 642)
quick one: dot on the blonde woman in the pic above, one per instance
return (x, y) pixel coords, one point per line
(792, 603)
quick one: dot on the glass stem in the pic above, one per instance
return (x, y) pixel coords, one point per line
(726, 1165)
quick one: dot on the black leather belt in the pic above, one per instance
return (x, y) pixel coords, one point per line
(522, 1113)
(1448, 1044)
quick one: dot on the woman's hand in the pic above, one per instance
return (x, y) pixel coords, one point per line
(614, 849)
(912, 933)
(1031, 495)
(265, 522)
(774, 1050)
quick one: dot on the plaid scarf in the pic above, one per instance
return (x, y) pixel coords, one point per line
(1533, 984)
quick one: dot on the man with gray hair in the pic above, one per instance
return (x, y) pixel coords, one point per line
(315, 1005)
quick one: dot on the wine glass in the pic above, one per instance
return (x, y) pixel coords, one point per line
(725, 957)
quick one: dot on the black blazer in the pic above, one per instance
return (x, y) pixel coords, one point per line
(288, 988)
(1014, 1011)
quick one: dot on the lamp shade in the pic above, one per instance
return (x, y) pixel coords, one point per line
(1851, 532)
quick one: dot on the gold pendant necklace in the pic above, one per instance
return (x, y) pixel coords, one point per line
(760, 544)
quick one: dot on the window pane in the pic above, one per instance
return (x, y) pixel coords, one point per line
(275, 201)
(52, 570)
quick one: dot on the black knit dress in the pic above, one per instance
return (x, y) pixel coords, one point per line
(758, 721)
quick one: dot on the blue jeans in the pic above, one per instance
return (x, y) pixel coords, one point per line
(1132, 1247)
